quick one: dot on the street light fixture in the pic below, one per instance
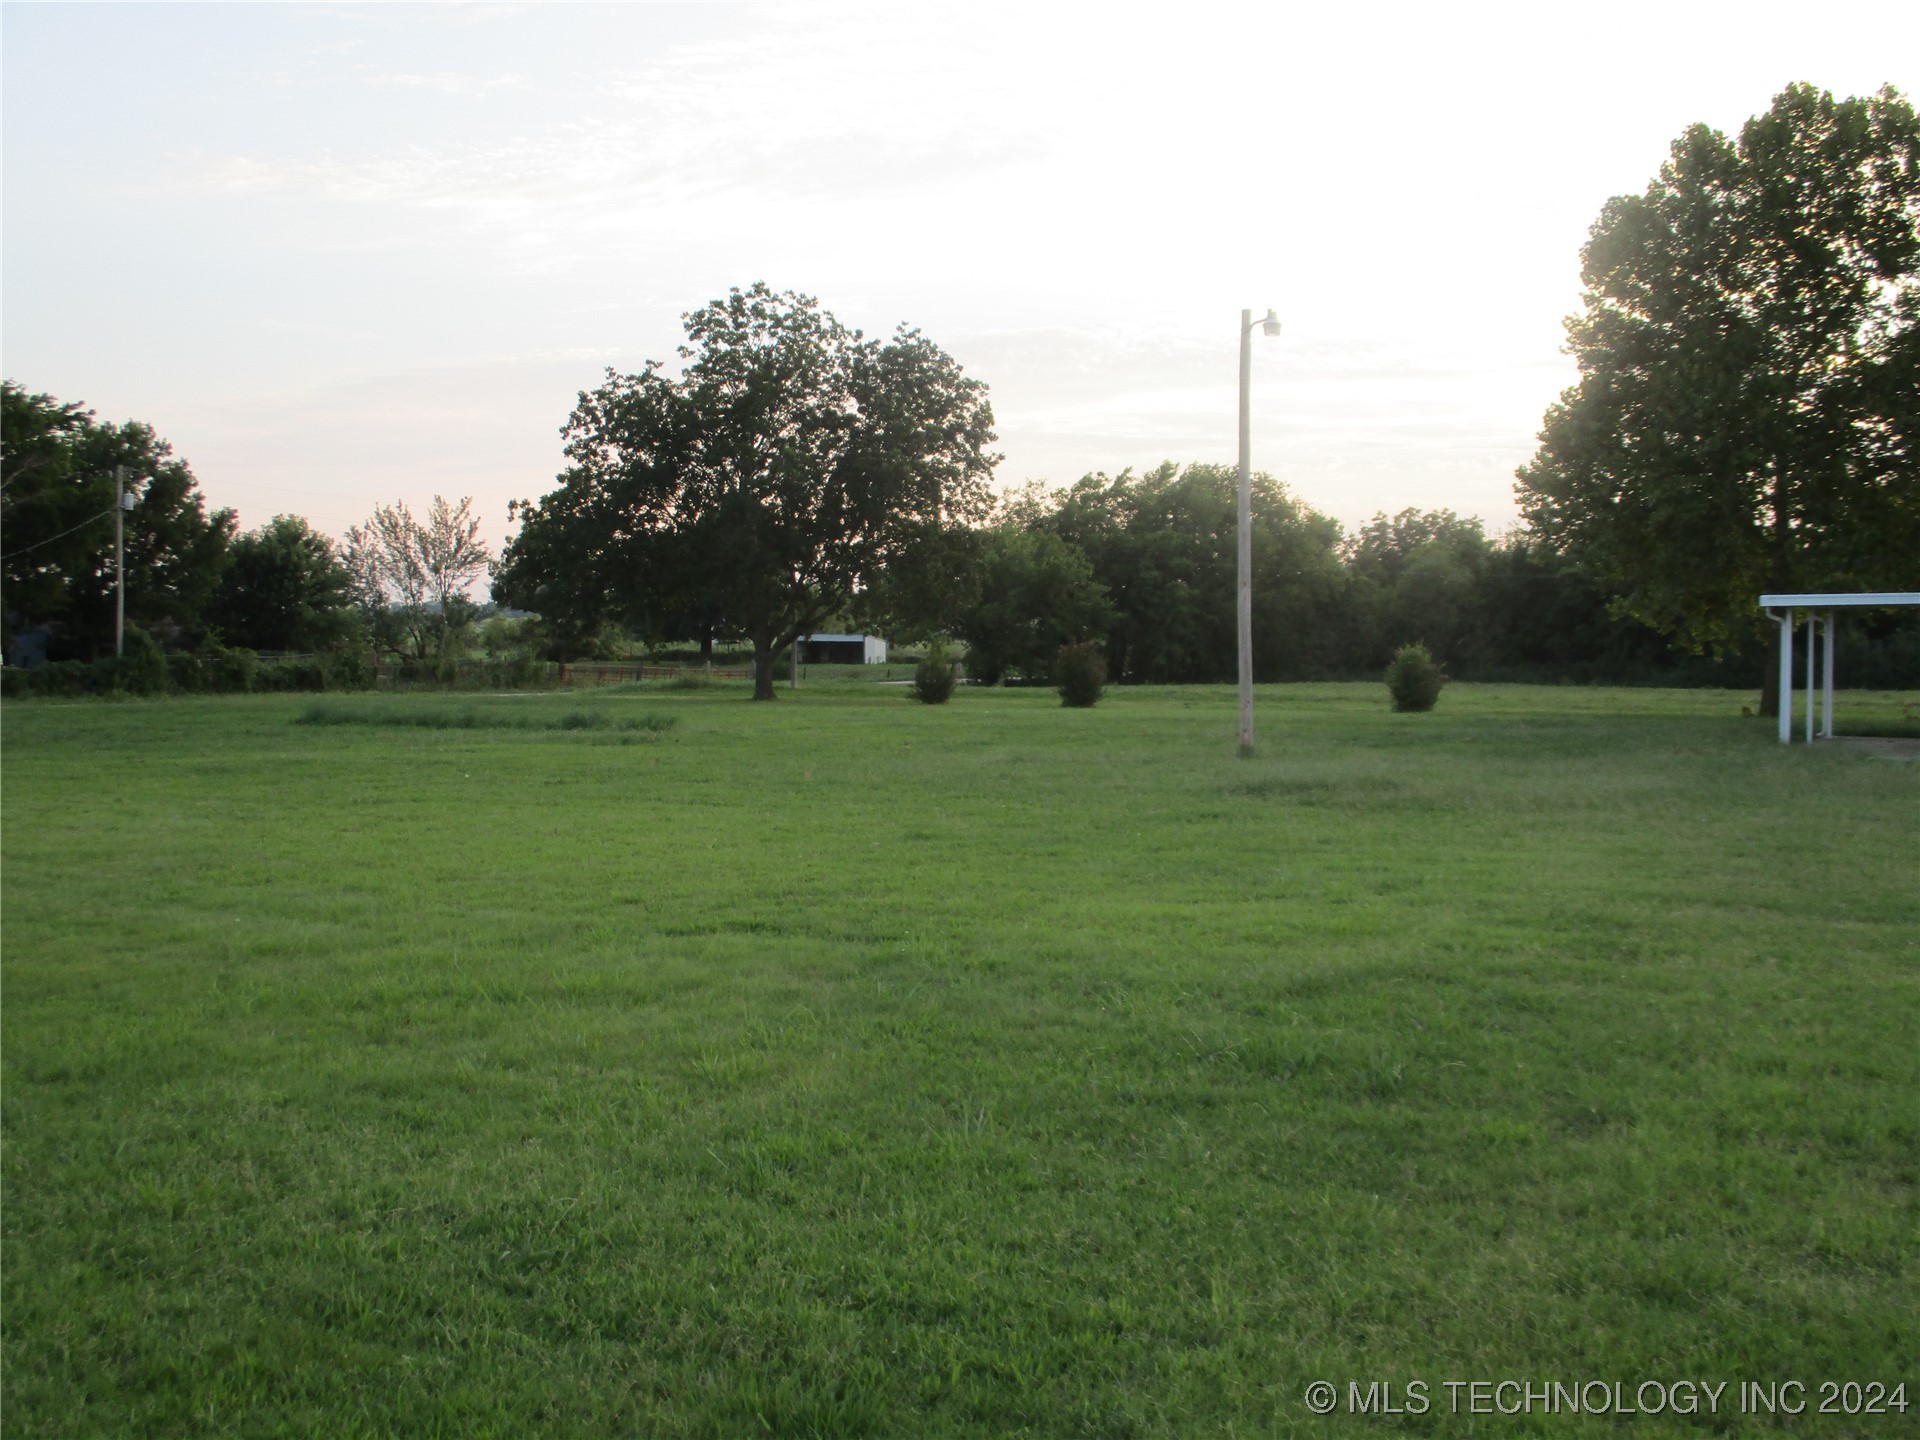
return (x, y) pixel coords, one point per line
(1270, 327)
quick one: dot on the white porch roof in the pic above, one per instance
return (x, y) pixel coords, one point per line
(1838, 601)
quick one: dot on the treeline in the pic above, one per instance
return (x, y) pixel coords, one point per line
(202, 600)
(1143, 564)
(1146, 564)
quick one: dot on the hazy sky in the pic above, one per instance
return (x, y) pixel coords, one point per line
(346, 254)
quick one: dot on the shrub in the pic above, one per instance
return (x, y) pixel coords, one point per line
(1414, 679)
(60, 677)
(1080, 673)
(13, 681)
(307, 673)
(185, 672)
(517, 672)
(230, 672)
(141, 668)
(347, 670)
(933, 676)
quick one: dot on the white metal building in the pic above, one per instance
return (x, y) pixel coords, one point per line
(842, 650)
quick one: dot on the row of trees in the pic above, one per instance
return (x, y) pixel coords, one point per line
(1145, 564)
(1746, 419)
(398, 584)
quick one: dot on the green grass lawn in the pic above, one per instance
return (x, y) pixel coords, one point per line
(850, 1067)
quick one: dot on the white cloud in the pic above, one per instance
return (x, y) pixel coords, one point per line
(448, 82)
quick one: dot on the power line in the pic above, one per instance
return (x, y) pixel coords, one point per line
(25, 549)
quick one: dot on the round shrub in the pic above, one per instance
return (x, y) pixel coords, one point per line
(13, 681)
(933, 676)
(1080, 673)
(1413, 679)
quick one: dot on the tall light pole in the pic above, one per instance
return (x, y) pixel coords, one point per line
(119, 560)
(1270, 326)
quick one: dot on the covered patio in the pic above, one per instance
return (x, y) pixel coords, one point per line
(1820, 611)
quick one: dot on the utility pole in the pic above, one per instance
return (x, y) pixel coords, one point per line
(1271, 326)
(119, 560)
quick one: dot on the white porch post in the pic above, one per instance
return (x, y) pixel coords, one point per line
(1811, 619)
(1826, 688)
(1786, 677)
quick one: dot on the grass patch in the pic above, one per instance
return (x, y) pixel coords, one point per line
(424, 716)
(845, 1067)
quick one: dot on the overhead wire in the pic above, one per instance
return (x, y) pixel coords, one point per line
(27, 549)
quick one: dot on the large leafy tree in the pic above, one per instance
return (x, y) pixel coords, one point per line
(1031, 593)
(1749, 355)
(56, 517)
(1417, 577)
(790, 465)
(284, 588)
(1163, 545)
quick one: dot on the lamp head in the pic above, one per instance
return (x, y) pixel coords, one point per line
(1270, 326)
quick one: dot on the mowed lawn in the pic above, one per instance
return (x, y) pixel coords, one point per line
(844, 1066)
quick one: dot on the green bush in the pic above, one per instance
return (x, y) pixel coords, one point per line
(1080, 674)
(141, 668)
(228, 671)
(1413, 679)
(13, 681)
(933, 676)
(61, 677)
(309, 673)
(348, 670)
(514, 672)
(185, 673)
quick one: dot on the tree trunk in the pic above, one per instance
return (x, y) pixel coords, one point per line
(763, 653)
(706, 647)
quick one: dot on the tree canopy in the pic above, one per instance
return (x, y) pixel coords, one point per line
(1416, 578)
(1163, 546)
(790, 465)
(1031, 594)
(56, 514)
(1749, 353)
(410, 576)
(284, 588)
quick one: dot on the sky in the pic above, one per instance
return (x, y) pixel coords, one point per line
(341, 255)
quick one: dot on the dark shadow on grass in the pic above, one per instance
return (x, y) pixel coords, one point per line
(469, 717)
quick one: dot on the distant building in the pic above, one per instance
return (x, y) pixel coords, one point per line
(842, 650)
(29, 648)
